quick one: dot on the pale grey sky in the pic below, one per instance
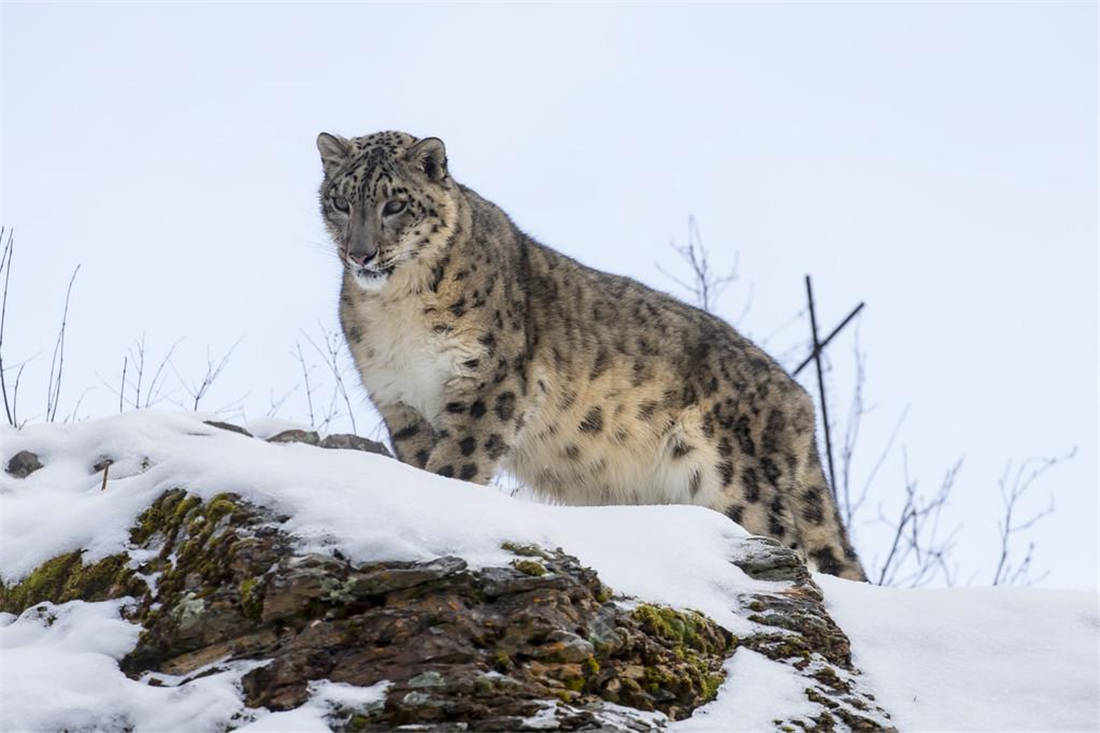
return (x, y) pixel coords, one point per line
(938, 161)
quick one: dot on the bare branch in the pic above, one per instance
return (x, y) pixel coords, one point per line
(233, 408)
(851, 434)
(153, 393)
(1011, 492)
(122, 385)
(380, 433)
(139, 362)
(331, 356)
(916, 549)
(705, 286)
(690, 288)
(748, 301)
(15, 397)
(199, 390)
(305, 378)
(881, 460)
(277, 405)
(796, 318)
(5, 268)
(79, 400)
(53, 387)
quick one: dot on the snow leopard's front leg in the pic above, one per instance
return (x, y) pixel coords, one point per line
(473, 433)
(412, 436)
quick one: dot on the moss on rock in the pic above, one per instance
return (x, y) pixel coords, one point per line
(523, 550)
(231, 585)
(252, 601)
(66, 578)
(530, 567)
(686, 630)
(696, 643)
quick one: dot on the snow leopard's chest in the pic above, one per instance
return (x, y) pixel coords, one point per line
(401, 359)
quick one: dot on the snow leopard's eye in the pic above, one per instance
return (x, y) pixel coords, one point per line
(340, 204)
(393, 207)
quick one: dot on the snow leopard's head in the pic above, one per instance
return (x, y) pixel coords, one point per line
(387, 199)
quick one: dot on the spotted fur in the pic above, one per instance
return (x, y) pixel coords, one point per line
(484, 349)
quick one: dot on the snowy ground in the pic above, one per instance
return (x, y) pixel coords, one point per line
(975, 658)
(970, 658)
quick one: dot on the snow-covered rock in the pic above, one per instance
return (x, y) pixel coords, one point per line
(164, 572)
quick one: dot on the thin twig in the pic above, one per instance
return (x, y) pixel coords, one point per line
(705, 286)
(139, 361)
(851, 434)
(881, 460)
(796, 318)
(5, 268)
(331, 355)
(1026, 474)
(152, 394)
(305, 378)
(15, 396)
(71, 417)
(916, 546)
(277, 405)
(122, 386)
(199, 390)
(53, 388)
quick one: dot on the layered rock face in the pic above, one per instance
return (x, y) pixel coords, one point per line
(539, 643)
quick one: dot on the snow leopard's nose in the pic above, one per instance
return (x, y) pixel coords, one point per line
(361, 243)
(361, 248)
(360, 257)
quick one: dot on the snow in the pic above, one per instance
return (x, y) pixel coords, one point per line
(325, 697)
(975, 658)
(755, 693)
(544, 719)
(59, 670)
(962, 658)
(268, 427)
(367, 506)
(611, 717)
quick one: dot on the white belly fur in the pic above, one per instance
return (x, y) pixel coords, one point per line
(402, 360)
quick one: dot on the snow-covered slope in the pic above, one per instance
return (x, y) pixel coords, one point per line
(366, 506)
(975, 658)
(1012, 659)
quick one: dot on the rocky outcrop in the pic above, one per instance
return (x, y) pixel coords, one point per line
(537, 643)
(489, 647)
(344, 441)
(795, 629)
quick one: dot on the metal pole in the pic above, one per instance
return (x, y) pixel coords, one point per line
(828, 338)
(821, 387)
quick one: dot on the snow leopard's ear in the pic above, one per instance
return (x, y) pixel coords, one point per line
(430, 157)
(334, 151)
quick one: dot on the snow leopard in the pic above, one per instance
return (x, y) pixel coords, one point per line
(485, 350)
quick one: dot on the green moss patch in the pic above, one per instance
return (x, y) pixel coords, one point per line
(530, 567)
(66, 578)
(523, 550)
(697, 642)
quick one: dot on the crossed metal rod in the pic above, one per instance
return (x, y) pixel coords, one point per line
(815, 356)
